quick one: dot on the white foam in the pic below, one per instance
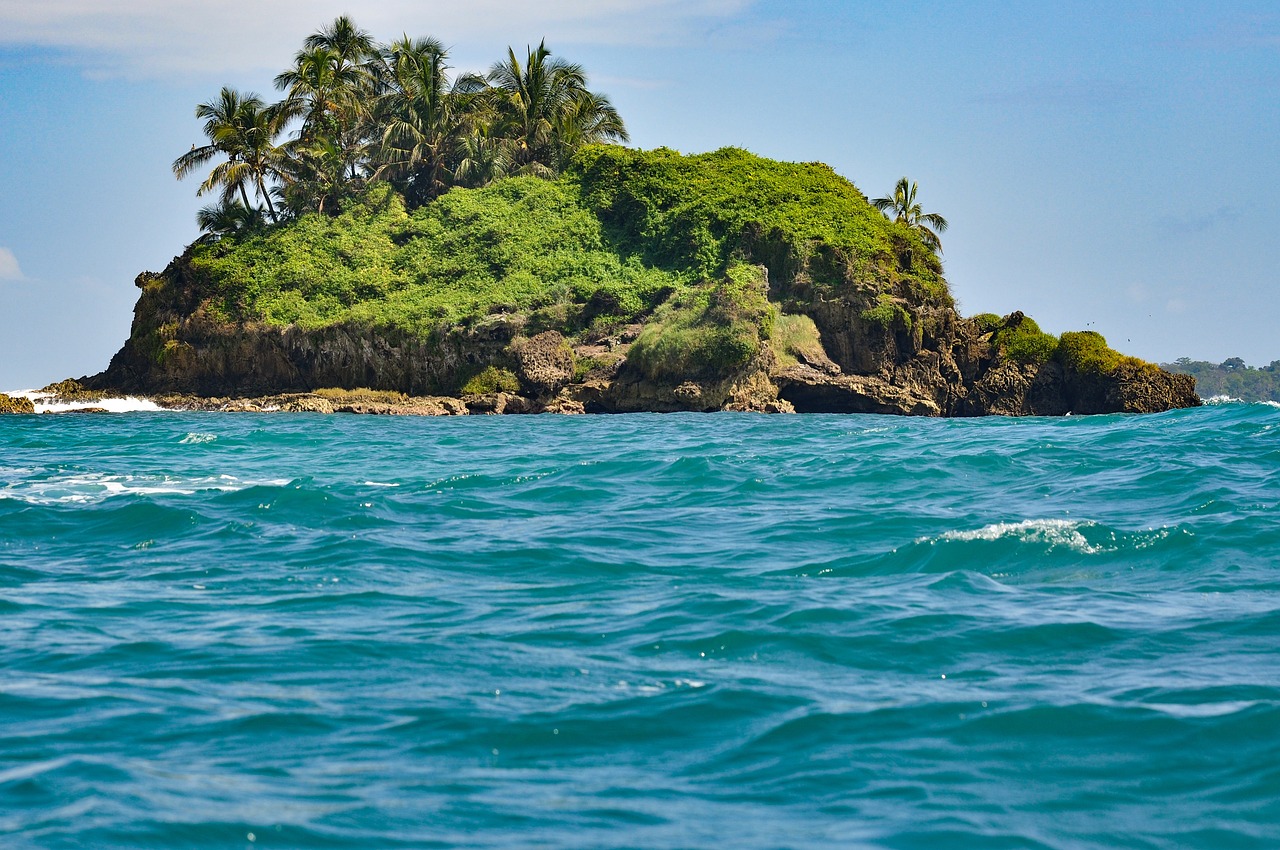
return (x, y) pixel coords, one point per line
(94, 487)
(1222, 399)
(1207, 709)
(195, 438)
(121, 404)
(1052, 532)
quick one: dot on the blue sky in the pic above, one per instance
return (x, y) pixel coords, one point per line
(1111, 166)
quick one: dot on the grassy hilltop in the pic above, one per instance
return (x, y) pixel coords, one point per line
(606, 242)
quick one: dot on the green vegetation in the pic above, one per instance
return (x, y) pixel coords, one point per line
(906, 210)
(617, 234)
(1231, 378)
(520, 244)
(384, 192)
(1088, 353)
(795, 338)
(492, 380)
(987, 322)
(360, 112)
(708, 331)
(889, 313)
(1025, 342)
(1019, 338)
(697, 214)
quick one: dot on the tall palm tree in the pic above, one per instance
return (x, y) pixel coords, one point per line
(903, 207)
(546, 111)
(351, 44)
(423, 117)
(243, 129)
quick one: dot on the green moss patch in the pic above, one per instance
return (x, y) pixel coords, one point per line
(1087, 352)
(1020, 338)
(706, 332)
(491, 379)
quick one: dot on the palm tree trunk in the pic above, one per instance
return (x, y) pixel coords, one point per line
(266, 196)
(244, 196)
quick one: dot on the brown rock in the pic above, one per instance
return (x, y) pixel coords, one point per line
(544, 362)
(11, 404)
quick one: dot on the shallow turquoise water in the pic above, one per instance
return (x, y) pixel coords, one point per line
(232, 630)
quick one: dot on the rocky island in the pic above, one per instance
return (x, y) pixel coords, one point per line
(634, 281)
(435, 245)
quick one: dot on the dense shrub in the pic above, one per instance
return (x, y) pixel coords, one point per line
(1087, 352)
(1023, 341)
(708, 331)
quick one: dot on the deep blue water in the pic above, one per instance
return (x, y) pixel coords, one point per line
(238, 630)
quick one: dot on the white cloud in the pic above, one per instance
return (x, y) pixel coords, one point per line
(9, 269)
(158, 37)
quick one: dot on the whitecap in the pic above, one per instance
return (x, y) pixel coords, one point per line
(195, 438)
(379, 484)
(1223, 399)
(1052, 532)
(94, 487)
(121, 404)
(1204, 709)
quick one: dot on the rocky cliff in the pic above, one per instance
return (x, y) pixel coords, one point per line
(750, 293)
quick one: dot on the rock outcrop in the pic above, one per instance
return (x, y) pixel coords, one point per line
(913, 359)
(10, 404)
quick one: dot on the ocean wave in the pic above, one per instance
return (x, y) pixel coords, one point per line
(1050, 532)
(93, 487)
(120, 404)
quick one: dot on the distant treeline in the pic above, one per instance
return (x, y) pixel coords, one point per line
(1231, 378)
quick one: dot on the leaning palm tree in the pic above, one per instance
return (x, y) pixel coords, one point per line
(903, 207)
(243, 129)
(546, 111)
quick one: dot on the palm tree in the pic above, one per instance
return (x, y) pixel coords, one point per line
(227, 217)
(906, 209)
(242, 128)
(351, 44)
(546, 111)
(330, 88)
(423, 117)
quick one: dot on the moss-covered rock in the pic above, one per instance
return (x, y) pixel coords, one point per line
(11, 404)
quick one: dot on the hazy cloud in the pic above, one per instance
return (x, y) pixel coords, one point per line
(9, 268)
(156, 37)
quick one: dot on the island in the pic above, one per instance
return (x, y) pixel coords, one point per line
(434, 244)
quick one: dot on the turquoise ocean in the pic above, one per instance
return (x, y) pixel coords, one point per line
(659, 631)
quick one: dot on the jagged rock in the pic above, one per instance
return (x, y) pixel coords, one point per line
(544, 363)
(11, 404)
(499, 403)
(70, 391)
(811, 391)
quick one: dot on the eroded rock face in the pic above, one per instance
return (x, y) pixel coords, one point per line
(875, 354)
(544, 363)
(10, 404)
